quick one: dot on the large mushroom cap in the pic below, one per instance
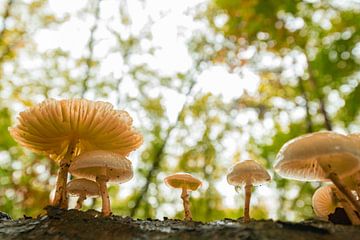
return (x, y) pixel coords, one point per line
(324, 201)
(82, 186)
(183, 180)
(356, 138)
(306, 157)
(52, 125)
(247, 172)
(115, 167)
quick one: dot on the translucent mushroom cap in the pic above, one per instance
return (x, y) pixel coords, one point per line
(356, 138)
(83, 186)
(183, 180)
(324, 201)
(52, 125)
(313, 156)
(93, 164)
(247, 172)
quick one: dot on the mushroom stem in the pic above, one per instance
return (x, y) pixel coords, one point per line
(101, 180)
(80, 201)
(357, 185)
(186, 203)
(344, 190)
(248, 188)
(347, 207)
(61, 198)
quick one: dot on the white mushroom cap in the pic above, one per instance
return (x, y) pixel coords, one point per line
(324, 201)
(82, 186)
(98, 163)
(183, 180)
(305, 157)
(247, 172)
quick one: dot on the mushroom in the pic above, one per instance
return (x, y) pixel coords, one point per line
(247, 173)
(321, 156)
(82, 188)
(102, 166)
(327, 198)
(63, 129)
(324, 201)
(353, 183)
(186, 182)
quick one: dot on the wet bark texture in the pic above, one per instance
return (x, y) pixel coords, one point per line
(73, 224)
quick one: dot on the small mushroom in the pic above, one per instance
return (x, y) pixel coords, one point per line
(62, 129)
(186, 182)
(247, 173)
(321, 156)
(82, 188)
(102, 166)
(327, 198)
(324, 201)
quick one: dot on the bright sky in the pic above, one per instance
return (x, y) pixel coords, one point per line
(172, 56)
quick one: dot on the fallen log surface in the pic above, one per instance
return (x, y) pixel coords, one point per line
(73, 224)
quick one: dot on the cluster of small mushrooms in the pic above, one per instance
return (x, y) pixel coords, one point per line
(91, 140)
(326, 157)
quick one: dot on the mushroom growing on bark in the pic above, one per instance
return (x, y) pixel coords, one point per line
(63, 129)
(82, 188)
(324, 202)
(102, 166)
(321, 156)
(353, 181)
(186, 182)
(247, 173)
(327, 198)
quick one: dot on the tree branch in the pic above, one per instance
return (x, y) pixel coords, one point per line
(309, 122)
(327, 121)
(159, 155)
(90, 46)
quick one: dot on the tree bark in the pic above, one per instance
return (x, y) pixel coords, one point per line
(74, 224)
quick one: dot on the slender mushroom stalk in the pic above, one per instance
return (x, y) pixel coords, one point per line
(61, 198)
(353, 182)
(186, 182)
(248, 188)
(344, 190)
(357, 187)
(247, 173)
(80, 201)
(186, 203)
(354, 218)
(54, 127)
(102, 180)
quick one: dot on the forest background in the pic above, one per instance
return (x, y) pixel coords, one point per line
(208, 83)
